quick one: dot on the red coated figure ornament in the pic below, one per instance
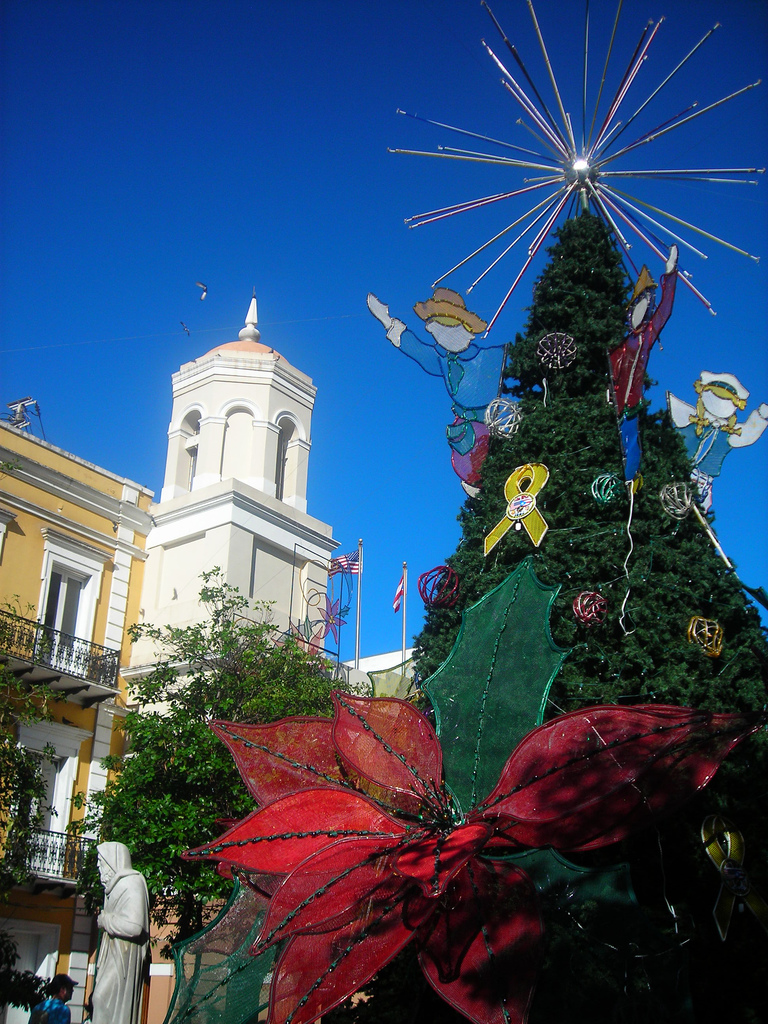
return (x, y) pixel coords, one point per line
(439, 588)
(361, 847)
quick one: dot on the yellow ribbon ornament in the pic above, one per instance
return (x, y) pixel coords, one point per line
(724, 845)
(520, 490)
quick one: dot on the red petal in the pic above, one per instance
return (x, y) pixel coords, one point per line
(594, 776)
(327, 888)
(278, 837)
(278, 759)
(434, 860)
(482, 955)
(317, 972)
(389, 742)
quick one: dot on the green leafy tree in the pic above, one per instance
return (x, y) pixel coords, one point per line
(23, 797)
(178, 786)
(23, 791)
(19, 988)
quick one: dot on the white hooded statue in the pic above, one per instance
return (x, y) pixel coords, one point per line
(124, 924)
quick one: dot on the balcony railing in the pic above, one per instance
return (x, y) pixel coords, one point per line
(57, 855)
(31, 641)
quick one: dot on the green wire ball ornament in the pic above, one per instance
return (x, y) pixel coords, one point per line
(606, 488)
(590, 608)
(502, 417)
(556, 351)
(676, 499)
(707, 633)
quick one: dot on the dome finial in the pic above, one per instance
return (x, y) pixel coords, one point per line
(251, 332)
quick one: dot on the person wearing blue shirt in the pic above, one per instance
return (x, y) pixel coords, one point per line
(60, 992)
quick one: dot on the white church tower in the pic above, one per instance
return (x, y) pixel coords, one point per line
(235, 489)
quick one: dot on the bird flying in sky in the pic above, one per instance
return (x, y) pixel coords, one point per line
(184, 326)
(204, 287)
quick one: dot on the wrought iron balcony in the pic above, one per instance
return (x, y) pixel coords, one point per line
(30, 642)
(57, 855)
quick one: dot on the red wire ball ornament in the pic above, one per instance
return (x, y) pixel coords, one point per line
(590, 608)
(439, 588)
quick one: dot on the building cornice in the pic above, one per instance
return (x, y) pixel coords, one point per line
(79, 493)
(70, 457)
(264, 371)
(69, 527)
(282, 527)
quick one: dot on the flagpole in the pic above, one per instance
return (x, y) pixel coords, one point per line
(405, 602)
(359, 592)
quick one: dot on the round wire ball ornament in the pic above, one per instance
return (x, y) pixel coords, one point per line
(590, 608)
(707, 633)
(606, 488)
(676, 499)
(439, 588)
(556, 351)
(502, 417)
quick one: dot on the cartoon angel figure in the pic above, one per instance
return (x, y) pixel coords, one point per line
(710, 429)
(629, 360)
(470, 372)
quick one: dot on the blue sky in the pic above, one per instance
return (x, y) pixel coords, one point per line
(149, 145)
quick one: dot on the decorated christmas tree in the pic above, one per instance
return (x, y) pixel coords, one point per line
(631, 579)
(544, 817)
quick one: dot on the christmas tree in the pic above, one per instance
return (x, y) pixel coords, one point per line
(652, 574)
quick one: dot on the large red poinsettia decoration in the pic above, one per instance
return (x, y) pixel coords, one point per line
(362, 847)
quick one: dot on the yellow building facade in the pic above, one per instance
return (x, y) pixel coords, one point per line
(72, 552)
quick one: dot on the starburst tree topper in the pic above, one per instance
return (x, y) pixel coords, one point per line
(582, 166)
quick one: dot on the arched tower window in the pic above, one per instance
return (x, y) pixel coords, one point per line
(190, 428)
(238, 442)
(287, 431)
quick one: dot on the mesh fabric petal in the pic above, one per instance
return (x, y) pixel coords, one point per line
(594, 776)
(277, 838)
(434, 860)
(326, 890)
(389, 742)
(317, 972)
(482, 954)
(278, 759)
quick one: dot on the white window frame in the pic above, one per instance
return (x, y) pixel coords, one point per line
(66, 741)
(45, 965)
(79, 559)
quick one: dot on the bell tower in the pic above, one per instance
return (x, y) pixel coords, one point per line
(241, 411)
(235, 487)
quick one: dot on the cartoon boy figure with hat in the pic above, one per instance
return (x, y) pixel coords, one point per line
(710, 429)
(470, 372)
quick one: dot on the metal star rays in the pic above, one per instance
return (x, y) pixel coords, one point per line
(578, 166)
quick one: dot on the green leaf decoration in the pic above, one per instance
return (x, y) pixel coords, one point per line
(393, 682)
(492, 688)
(217, 978)
(604, 958)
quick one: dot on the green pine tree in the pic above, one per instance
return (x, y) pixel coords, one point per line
(654, 583)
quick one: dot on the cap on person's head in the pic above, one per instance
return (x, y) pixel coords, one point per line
(61, 981)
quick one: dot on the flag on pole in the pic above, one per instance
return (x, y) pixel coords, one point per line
(399, 594)
(345, 563)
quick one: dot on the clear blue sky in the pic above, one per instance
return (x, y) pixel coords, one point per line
(148, 145)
